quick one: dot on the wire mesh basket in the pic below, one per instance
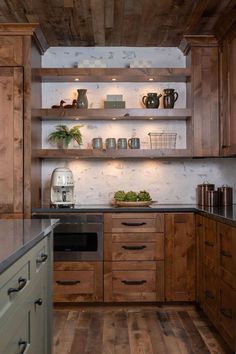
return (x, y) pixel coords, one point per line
(162, 140)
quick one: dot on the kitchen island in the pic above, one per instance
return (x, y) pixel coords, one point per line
(25, 291)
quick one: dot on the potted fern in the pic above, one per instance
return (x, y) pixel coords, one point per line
(63, 136)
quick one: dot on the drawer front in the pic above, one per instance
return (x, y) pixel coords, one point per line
(78, 281)
(131, 247)
(227, 254)
(134, 222)
(15, 285)
(11, 51)
(227, 313)
(128, 282)
(210, 293)
(210, 244)
(73, 282)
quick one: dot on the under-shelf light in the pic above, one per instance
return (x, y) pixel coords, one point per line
(150, 79)
(76, 79)
(113, 79)
(150, 118)
(114, 118)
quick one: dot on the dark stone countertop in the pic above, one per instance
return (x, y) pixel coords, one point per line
(223, 214)
(19, 236)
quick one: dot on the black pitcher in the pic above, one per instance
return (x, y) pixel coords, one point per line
(82, 101)
(169, 98)
(151, 100)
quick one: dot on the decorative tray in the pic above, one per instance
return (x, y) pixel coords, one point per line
(132, 204)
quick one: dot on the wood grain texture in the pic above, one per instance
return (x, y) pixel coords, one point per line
(204, 95)
(180, 257)
(78, 282)
(130, 330)
(11, 140)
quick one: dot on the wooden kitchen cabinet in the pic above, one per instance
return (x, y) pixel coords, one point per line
(217, 275)
(228, 94)
(133, 257)
(78, 282)
(180, 257)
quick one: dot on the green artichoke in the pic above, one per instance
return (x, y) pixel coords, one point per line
(131, 196)
(120, 196)
(144, 196)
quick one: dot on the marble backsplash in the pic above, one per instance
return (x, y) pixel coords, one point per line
(168, 182)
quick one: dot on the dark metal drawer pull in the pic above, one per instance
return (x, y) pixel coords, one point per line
(67, 282)
(134, 248)
(24, 344)
(226, 254)
(210, 244)
(226, 313)
(42, 258)
(133, 282)
(22, 283)
(133, 223)
(209, 294)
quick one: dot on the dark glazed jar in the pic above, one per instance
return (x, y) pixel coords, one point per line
(151, 100)
(82, 101)
(169, 98)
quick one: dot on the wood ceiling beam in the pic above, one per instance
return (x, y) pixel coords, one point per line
(98, 18)
(195, 17)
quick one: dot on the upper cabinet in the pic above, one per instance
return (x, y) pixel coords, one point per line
(228, 95)
(203, 93)
(17, 91)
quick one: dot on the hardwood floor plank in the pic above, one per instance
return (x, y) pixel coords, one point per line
(95, 334)
(108, 339)
(58, 326)
(156, 336)
(179, 332)
(195, 340)
(79, 341)
(121, 333)
(140, 341)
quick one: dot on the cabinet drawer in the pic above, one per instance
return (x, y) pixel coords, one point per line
(78, 281)
(227, 254)
(15, 284)
(131, 247)
(11, 51)
(227, 313)
(134, 222)
(133, 281)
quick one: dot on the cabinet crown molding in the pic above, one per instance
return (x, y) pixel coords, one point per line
(190, 41)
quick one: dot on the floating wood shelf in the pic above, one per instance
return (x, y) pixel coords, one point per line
(112, 114)
(109, 154)
(112, 74)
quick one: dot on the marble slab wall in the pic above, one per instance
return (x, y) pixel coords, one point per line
(169, 182)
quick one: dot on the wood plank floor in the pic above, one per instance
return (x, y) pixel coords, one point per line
(135, 330)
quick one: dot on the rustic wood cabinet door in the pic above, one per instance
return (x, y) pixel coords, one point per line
(228, 94)
(180, 257)
(11, 140)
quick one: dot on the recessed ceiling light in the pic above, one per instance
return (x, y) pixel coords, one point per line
(76, 79)
(113, 79)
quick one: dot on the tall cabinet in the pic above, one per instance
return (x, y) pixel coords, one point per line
(20, 48)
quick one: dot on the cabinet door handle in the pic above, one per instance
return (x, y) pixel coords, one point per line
(133, 282)
(227, 313)
(24, 344)
(208, 243)
(22, 283)
(42, 259)
(133, 223)
(209, 294)
(38, 301)
(134, 248)
(226, 254)
(67, 282)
